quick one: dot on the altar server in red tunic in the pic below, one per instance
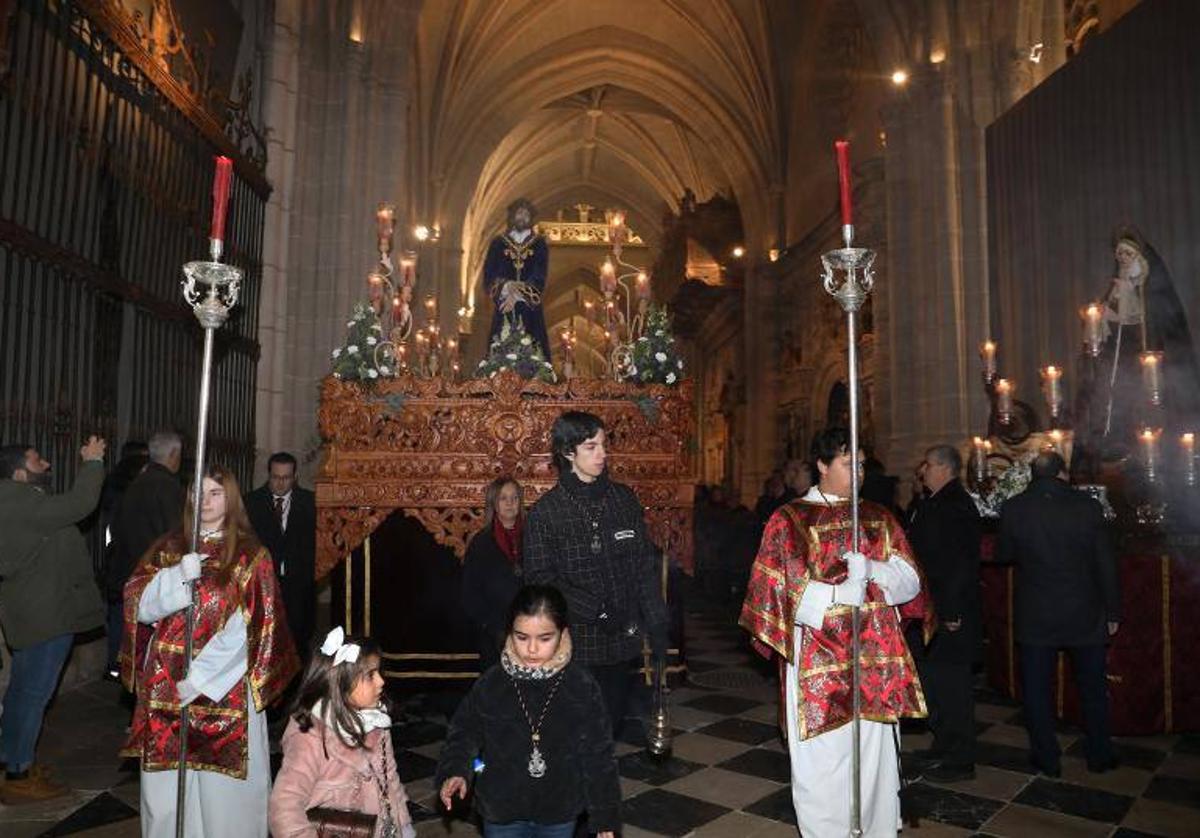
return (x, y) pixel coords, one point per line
(244, 657)
(798, 609)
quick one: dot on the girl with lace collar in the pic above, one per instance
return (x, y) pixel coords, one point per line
(533, 735)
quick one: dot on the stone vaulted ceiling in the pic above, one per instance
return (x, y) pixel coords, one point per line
(613, 102)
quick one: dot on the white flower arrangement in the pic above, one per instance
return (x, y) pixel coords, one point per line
(655, 359)
(515, 350)
(355, 359)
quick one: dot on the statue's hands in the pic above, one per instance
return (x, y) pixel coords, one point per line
(508, 297)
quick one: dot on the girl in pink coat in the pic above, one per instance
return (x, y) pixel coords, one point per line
(337, 749)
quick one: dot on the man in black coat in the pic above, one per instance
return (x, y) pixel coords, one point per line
(150, 508)
(285, 518)
(945, 533)
(587, 537)
(1067, 597)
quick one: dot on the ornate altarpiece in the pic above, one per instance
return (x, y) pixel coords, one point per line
(429, 446)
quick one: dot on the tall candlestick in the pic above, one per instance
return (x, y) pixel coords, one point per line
(1152, 376)
(979, 461)
(1149, 441)
(589, 311)
(1093, 334)
(842, 149)
(1187, 447)
(987, 353)
(408, 267)
(464, 321)
(221, 179)
(1052, 389)
(431, 308)
(1004, 400)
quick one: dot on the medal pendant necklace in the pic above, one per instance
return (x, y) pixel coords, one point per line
(537, 763)
(595, 546)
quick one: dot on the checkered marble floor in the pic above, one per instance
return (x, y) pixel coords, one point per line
(727, 777)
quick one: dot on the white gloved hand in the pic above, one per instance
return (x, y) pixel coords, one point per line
(850, 593)
(190, 565)
(856, 566)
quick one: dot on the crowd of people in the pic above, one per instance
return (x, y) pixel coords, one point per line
(566, 599)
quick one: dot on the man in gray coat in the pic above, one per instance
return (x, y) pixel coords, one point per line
(47, 595)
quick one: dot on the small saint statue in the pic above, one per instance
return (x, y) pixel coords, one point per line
(514, 275)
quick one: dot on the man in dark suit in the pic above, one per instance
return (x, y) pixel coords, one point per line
(1067, 597)
(945, 533)
(285, 518)
(150, 508)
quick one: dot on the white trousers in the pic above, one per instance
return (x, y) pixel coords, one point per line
(216, 805)
(821, 776)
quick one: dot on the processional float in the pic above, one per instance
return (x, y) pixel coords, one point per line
(848, 274)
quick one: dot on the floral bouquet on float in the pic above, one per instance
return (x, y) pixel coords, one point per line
(655, 355)
(515, 350)
(1012, 481)
(356, 358)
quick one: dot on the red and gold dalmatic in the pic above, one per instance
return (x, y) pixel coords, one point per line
(804, 542)
(217, 730)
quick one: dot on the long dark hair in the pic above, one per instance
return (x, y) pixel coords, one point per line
(323, 681)
(491, 496)
(538, 601)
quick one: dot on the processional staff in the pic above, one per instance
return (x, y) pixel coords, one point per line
(848, 276)
(211, 289)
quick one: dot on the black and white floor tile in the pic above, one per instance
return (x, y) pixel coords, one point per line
(728, 774)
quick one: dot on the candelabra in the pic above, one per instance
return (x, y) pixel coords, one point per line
(211, 288)
(386, 284)
(621, 354)
(849, 275)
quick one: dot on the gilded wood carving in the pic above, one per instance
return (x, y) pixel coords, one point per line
(429, 446)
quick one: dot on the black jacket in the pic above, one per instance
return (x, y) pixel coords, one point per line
(614, 597)
(489, 583)
(1066, 569)
(945, 533)
(150, 508)
(581, 771)
(294, 553)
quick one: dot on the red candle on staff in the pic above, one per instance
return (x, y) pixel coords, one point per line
(221, 179)
(842, 147)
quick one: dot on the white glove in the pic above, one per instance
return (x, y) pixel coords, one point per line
(190, 566)
(850, 593)
(856, 566)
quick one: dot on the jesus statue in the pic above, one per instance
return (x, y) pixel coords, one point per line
(514, 275)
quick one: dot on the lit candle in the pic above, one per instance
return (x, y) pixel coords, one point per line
(431, 307)
(1152, 376)
(979, 459)
(842, 149)
(987, 353)
(220, 191)
(1093, 335)
(643, 286)
(1187, 445)
(385, 221)
(1056, 440)
(1149, 440)
(608, 277)
(1052, 388)
(464, 321)
(1004, 400)
(589, 311)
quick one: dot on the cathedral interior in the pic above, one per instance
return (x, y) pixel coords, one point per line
(995, 147)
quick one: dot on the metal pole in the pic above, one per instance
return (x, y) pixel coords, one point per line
(211, 308)
(188, 638)
(855, 671)
(848, 277)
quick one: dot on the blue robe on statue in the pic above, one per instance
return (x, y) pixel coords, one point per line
(527, 262)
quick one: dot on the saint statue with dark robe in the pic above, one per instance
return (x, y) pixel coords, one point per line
(1143, 313)
(514, 275)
